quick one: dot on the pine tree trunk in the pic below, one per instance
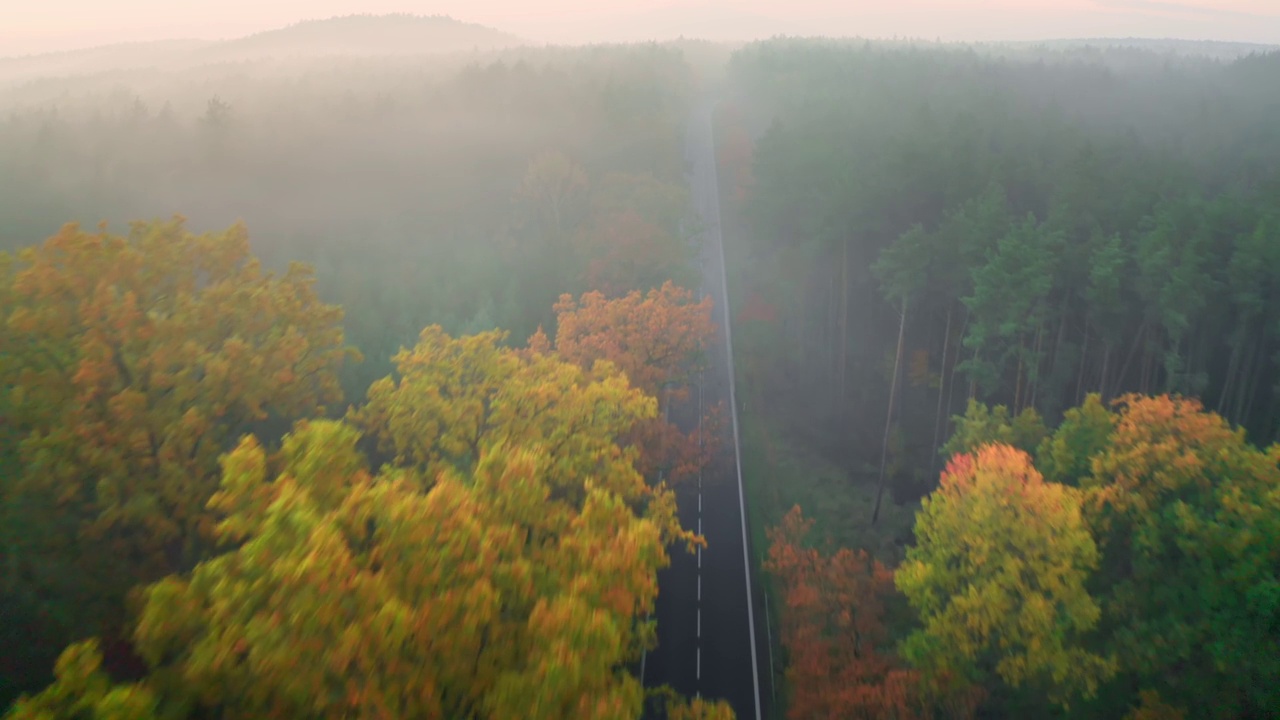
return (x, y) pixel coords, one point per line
(1133, 351)
(1035, 368)
(973, 381)
(1233, 366)
(1084, 362)
(844, 321)
(1251, 382)
(828, 332)
(888, 422)
(942, 386)
(1017, 384)
(951, 395)
(1106, 359)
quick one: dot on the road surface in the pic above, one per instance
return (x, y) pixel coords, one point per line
(711, 633)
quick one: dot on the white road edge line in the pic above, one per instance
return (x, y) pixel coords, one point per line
(733, 405)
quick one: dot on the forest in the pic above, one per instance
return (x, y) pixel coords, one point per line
(328, 377)
(335, 387)
(1032, 293)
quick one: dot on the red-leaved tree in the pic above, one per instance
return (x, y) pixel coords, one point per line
(833, 631)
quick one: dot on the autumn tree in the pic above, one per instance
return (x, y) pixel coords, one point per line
(472, 594)
(659, 340)
(82, 690)
(998, 577)
(129, 363)
(1187, 515)
(669, 703)
(834, 633)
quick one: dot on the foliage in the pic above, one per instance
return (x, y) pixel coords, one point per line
(1066, 456)
(678, 708)
(1152, 707)
(1188, 519)
(129, 363)
(998, 577)
(453, 400)
(474, 595)
(659, 340)
(82, 690)
(833, 630)
(981, 425)
(1057, 221)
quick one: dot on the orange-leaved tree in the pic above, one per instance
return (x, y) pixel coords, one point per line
(834, 633)
(129, 364)
(998, 577)
(659, 339)
(470, 593)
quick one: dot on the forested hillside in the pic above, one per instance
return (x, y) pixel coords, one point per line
(1032, 296)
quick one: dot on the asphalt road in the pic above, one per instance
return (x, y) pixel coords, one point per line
(711, 632)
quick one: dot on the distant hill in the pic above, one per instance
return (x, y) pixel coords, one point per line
(355, 35)
(366, 35)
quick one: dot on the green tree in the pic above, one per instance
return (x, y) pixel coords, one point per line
(982, 425)
(1067, 455)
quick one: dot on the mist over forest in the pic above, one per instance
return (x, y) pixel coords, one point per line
(370, 367)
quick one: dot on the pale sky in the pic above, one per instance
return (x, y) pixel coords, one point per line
(28, 26)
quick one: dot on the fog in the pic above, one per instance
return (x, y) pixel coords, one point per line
(69, 24)
(933, 229)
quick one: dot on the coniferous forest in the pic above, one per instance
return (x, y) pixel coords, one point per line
(339, 386)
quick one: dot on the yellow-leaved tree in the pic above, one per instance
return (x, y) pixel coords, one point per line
(454, 398)
(355, 595)
(998, 578)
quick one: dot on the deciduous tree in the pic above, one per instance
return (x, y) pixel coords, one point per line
(659, 339)
(998, 577)
(982, 425)
(82, 690)
(833, 631)
(472, 595)
(453, 399)
(1187, 514)
(129, 362)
